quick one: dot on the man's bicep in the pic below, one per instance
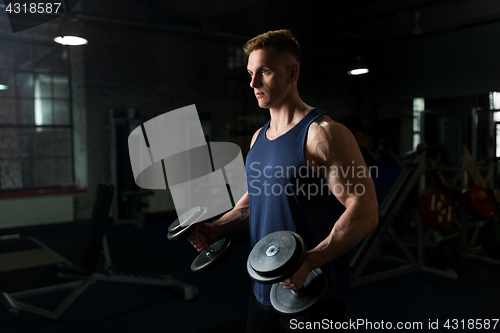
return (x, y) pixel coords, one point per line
(348, 175)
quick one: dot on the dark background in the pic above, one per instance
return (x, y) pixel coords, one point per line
(156, 56)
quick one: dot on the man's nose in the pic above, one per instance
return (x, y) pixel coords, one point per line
(256, 81)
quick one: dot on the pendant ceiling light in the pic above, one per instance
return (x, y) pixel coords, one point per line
(71, 32)
(359, 67)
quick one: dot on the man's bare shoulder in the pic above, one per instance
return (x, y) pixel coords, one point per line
(325, 128)
(255, 137)
(328, 139)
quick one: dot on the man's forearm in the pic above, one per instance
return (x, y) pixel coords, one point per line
(234, 219)
(348, 231)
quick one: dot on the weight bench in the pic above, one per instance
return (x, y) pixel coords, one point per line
(85, 273)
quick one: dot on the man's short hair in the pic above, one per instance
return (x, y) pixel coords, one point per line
(282, 41)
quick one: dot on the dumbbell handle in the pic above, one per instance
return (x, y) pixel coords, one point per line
(208, 251)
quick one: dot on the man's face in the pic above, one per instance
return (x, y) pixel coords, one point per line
(270, 77)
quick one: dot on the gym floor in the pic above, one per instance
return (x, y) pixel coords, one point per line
(221, 303)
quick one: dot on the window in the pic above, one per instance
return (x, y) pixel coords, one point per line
(236, 57)
(495, 105)
(418, 109)
(35, 114)
(495, 101)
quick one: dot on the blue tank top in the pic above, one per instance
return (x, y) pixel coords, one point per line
(285, 194)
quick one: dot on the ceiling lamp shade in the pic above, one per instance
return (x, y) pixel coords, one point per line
(4, 81)
(359, 67)
(70, 33)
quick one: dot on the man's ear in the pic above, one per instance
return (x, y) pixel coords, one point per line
(294, 71)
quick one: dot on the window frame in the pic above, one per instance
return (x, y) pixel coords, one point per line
(18, 124)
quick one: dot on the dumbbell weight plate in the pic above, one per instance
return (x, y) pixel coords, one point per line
(422, 207)
(204, 262)
(186, 222)
(273, 252)
(289, 302)
(441, 209)
(480, 202)
(281, 266)
(187, 218)
(436, 210)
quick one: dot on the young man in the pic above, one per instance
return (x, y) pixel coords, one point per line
(305, 173)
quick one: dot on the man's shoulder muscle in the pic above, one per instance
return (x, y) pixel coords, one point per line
(323, 134)
(323, 129)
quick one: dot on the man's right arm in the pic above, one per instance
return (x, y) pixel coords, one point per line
(238, 216)
(232, 220)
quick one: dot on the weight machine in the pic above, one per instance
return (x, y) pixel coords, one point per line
(411, 176)
(450, 243)
(480, 212)
(370, 246)
(441, 238)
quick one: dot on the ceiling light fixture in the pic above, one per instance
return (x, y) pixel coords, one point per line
(359, 67)
(70, 32)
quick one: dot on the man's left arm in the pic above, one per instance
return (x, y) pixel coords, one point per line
(332, 151)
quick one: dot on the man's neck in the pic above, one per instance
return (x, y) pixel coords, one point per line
(287, 115)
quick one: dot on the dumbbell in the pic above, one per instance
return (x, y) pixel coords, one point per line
(213, 254)
(275, 258)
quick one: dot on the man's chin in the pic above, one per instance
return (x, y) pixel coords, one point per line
(263, 105)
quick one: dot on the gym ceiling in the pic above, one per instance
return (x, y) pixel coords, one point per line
(344, 26)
